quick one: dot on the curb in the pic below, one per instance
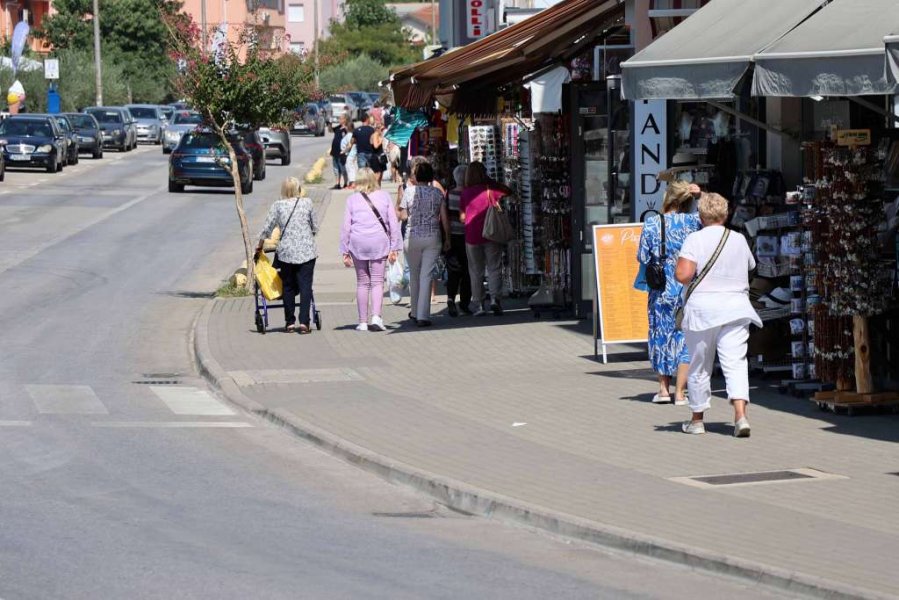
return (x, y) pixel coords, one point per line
(463, 497)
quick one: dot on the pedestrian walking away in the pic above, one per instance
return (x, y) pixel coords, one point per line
(428, 231)
(668, 353)
(338, 158)
(715, 263)
(369, 238)
(295, 256)
(458, 279)
(363, 144)
(483, 255)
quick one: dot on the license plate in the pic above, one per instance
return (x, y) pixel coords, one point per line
(205, 159)
(19, 157)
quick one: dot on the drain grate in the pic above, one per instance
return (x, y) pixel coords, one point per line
(157, 382)
(758, 478)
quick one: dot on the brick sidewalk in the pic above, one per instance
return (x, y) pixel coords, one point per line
(517, 408)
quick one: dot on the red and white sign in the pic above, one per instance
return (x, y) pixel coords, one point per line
(476, 18)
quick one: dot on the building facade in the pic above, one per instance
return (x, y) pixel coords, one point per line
(235, 16)
(301, 20)
(30, 11)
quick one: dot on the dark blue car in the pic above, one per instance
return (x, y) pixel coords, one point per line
(200, 158)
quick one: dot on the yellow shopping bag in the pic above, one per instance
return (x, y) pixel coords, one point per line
(268, 279)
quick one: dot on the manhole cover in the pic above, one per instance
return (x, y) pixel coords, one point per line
(758, 478)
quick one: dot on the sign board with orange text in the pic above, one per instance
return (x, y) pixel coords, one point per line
(620, 309)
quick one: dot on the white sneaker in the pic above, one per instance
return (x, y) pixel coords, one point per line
(362, 327)
(741, 428)
(682, 402)
(377, 324)
(480, 312)
(660, 399)
(693, 427)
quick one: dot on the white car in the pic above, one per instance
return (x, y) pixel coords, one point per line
(342, 105)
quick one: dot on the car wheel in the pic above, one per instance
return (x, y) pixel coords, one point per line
(2, 170)
(75, 158)
(175, 188)
(51, 167)
(247, 188)
(60, 166)
(97, 153)
(285, 159)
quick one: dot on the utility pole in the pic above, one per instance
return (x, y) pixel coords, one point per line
(315, 40)
(434, 39)
(98, 68)
(203, 25)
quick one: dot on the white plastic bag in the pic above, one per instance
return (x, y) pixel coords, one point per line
(396, 281)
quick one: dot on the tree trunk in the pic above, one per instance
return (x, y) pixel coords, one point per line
(248, 246)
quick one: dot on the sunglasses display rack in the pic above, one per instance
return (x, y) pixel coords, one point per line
(483, 147)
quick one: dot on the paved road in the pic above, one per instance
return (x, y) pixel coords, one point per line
(125, 477)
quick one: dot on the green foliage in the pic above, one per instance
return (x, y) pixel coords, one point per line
(386, 43)
(358, 73)
(77, 76)
(134, 38)
(361, 14)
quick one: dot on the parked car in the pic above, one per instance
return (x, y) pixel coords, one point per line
(167, 112)
(342, 105)
(90, 138)
(200, 158)
(33, 141)
(277, 143)
(374, 97)
(183, 121)
(68, 131)
(149, 121)
(117, 126)
(325, 107)
(253, 143)
(311, 119)
(362, 102)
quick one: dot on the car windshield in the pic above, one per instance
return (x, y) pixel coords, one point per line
(183, 118)
(139, 112)
(167, 111)
(83, 121)
(63, 124)
(25, 128)
(311, 109)
(106, 116)
(338, 99)
(201, 140)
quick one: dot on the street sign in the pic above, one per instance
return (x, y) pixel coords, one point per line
(51, 68)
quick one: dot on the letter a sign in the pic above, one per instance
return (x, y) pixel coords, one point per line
(650, 154)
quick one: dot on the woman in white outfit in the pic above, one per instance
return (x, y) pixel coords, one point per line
(718, 313)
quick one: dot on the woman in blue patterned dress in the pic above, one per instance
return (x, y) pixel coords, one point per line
(667, 350)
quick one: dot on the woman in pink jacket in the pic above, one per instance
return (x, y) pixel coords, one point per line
(369, 238)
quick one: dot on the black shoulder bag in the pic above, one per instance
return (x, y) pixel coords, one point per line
(655, 269)
(277, 262)
(377, 214)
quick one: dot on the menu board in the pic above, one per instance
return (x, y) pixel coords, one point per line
(621, 309)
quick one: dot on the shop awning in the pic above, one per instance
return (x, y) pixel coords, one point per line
(839, 51)
(707, 55)
(507, 55)
(892, 56)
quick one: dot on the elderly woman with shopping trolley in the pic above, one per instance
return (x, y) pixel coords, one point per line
(714, 264)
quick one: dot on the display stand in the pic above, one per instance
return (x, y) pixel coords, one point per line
(620, 314)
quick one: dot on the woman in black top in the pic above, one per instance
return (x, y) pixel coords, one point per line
(338, 159)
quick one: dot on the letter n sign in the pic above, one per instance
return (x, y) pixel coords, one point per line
(650, 153)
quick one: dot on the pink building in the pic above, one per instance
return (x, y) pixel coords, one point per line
(235, 15)
(301, 18)
(31, 11)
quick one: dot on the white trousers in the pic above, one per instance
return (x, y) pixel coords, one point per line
(730, 341)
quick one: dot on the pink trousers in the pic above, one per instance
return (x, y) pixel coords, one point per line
(369, 283)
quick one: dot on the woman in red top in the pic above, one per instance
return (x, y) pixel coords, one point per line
(479, 193)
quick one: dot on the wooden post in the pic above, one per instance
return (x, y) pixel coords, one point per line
(862, 338)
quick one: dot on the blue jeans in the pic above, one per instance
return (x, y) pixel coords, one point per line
(362, 159)
(339, 168)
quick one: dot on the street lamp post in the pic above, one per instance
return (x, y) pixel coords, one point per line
(315, 39)
(98, 68)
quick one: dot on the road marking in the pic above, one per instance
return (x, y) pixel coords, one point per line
(259, 376)
(190, 401)
(86, 225)
(173, 424)
(15, 423)
(65, 400)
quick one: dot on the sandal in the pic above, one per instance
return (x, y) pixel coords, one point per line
(303, 329)
(290, 328)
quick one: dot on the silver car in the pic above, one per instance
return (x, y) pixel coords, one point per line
(183, 121)
(342, 105)
(150, 122)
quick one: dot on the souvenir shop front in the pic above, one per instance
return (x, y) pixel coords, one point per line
(532, 104)
(801, 134)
